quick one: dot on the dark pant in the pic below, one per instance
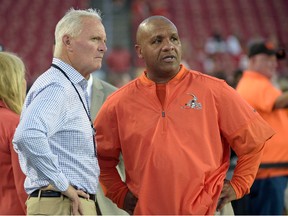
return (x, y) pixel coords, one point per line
(266, 198)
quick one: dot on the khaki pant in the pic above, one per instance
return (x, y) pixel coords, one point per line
(227, 210)
(57, 206)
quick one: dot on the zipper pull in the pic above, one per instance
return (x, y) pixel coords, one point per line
(163, 113)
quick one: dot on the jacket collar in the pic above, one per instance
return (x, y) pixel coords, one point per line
(146, 81)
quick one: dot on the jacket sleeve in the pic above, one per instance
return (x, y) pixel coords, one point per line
(108, 150)
(248, 144)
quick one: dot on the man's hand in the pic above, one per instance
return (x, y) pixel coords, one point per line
(227, 195)
(130, 202)
(73, 195)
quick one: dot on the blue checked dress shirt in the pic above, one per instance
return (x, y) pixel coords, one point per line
(54, 138)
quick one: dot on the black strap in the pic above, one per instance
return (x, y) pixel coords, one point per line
(266, 166)
(273, 165)
(87, 113)
(98, 210)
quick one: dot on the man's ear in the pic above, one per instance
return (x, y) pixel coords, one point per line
(139, 51)
(66, 40)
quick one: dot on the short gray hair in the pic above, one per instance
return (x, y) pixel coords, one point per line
(71, 23)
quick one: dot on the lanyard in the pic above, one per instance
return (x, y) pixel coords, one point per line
(87, 113)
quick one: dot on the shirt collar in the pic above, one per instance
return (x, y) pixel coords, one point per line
(72, 73)
(254, 74)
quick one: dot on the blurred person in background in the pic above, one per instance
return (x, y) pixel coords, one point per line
(255, 86)
(12, 95)
(98, 90)
(119, 65)
(55, 137)
(174, 128)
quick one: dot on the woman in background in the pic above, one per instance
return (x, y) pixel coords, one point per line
(12, 94)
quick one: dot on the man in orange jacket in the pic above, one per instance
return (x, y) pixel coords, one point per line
(175, 127)
(255, 86)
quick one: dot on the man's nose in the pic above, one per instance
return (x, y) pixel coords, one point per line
(102, 47)
(168, 45)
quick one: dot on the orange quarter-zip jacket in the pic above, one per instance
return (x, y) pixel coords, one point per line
(176, 156)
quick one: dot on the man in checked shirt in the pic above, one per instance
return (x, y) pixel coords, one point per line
(55, 137)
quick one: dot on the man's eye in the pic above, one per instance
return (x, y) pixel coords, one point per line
(95, 38)
(156, 41)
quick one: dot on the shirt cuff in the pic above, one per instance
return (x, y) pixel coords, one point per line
(61, 183)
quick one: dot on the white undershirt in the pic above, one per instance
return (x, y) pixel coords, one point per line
(89, 88)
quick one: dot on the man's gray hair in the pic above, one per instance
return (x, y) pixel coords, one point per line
(71, 23)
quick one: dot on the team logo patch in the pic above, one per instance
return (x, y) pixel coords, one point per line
(190, 101)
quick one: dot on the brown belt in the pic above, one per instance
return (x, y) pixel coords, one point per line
(51, 193)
